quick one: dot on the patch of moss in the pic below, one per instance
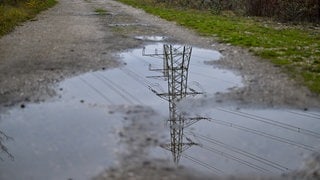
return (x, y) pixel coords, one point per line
(100, 11)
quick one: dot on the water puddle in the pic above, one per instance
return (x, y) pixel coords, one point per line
(77, 134)
(128, 24)
(151, 38)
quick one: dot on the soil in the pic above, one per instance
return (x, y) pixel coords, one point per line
(70, 39)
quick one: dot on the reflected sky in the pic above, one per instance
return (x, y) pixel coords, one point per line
(74, 134)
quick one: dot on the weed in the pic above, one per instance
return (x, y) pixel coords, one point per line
(100, 11)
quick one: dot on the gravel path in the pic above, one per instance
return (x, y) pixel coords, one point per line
(63, 41)
(71, 39)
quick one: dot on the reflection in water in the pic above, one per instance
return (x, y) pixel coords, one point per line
(74, 136)
(3, 148)
(176, 60)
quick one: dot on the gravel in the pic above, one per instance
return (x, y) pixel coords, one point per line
(70, 39)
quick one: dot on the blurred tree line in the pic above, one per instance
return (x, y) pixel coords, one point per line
(284, 10)
(11, 2)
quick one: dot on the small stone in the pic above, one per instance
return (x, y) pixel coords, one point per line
(121, 134)
(219, 101)
(167, 169)
(146, 163)
(22, 106)
(82, 101)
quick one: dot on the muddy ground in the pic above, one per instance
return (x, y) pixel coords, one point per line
(71, 39)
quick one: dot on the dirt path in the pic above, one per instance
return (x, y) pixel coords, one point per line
(70, 38)
(65, 40)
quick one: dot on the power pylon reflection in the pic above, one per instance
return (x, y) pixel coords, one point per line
(3, 148)
(176, 60)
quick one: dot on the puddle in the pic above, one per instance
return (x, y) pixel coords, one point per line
(56, 141)
(127, 24)
(151, 38)
(86, 14)
(76, 135)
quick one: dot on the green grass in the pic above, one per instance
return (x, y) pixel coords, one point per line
(295, 49)
(100, 11)
(13, 15)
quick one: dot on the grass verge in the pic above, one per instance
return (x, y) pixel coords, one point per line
(295, 49)
(13, 15)
(100, 11)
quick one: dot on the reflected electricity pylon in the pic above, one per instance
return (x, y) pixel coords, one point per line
(176, 60)
(3, 148)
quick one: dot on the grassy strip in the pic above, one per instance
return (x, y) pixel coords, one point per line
(101, 11)
(295, 49)
(11, 16)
